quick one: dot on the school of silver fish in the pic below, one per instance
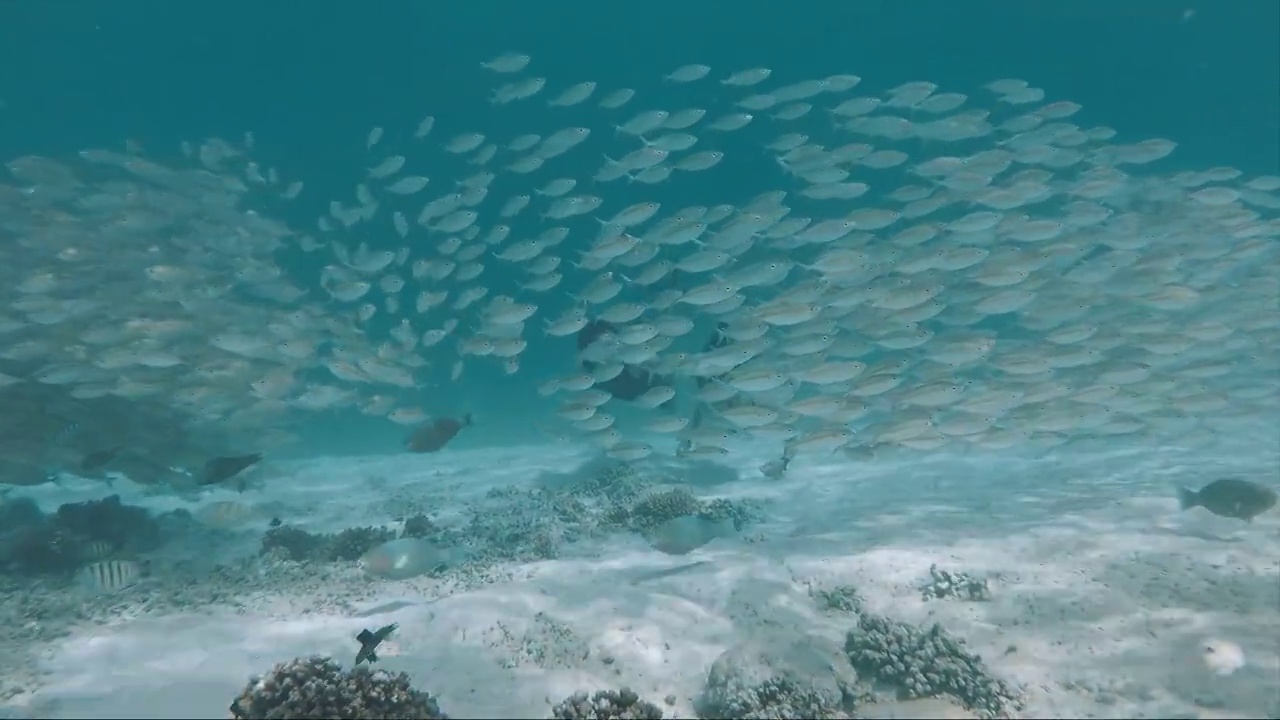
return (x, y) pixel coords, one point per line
(918, 268)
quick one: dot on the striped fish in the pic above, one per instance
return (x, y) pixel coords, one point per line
(107, 576)
(99, 550)
(65, 434)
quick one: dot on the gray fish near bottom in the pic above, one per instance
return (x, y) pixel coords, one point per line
(1230, 497)
(406, 558)
(684, 534)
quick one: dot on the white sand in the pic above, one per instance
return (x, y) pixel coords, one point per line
(1104, 599)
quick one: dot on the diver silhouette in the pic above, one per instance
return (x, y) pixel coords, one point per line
(634, 380)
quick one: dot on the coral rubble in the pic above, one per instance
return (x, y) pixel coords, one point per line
(946, 584)
(781, 675)
(621, 704)
(301, 546)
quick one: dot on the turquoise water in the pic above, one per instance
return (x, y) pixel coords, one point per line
(310, 80)
(311, 84)
(307, 83)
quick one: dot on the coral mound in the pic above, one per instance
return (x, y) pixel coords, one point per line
(621, 704)
(32, 543)
(317, 687)
(926, 663)
(779, 674)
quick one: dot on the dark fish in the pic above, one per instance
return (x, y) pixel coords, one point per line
(224, 468)
(275, 522)
(369, 642)
(434, 435)
(1230, 497)
(719, 338)
(631, 383)
(97, 460)
(627, 385)
(592, 331)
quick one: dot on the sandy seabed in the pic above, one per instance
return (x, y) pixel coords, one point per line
(1103, 595)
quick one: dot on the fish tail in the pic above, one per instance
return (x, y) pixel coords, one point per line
(728, 527)
(1187, 499)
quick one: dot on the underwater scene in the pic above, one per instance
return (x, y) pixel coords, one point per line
(698, 359)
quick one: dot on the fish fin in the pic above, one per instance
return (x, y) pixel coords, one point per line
(372, 657)
(364, 636)
(725, 528)
(1187, 499)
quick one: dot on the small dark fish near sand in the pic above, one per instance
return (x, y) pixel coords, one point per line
(1230, 497)
(775, 469)
(369, 643)
(434, 435)
(225, 468)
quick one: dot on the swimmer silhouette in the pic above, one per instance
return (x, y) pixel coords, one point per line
(634, 380)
